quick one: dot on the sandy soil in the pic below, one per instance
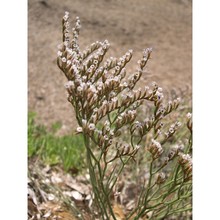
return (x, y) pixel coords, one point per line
(127, 24)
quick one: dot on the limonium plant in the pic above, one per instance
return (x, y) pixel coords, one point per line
(106, 103)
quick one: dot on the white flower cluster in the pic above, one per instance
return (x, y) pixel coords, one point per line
(185, 161)
(173, 128)
(155, 149)
(157, 145)
(185, 158)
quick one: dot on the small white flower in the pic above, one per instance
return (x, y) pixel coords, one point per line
(178, 124)
(122, 59)
(172, 126)
(150, 92)
(162, 175)
(75, 69)
(119, 118)
(107, 128)
(137, 147)
(125, 84)
(92, 66)
(84, 122)
(189, 115)
(115, 99)
(128, 55)
(122, 114)
(124, 97)
(112, 132)
(93, 89)
(130, 95)
(60, 46)
(186, 158)
(105, 102)
(105, 41)
(159, 132)
(171, 130)
(79, 89)
(134, 112)
(65, 43)
(160, 89)
(95, 109)
(147, 51)
(107, 82)
(107, 123)
(113, 72)
(59, 53)
(65, 17)
(79, 129)
(83, 85)
(91, 127)
(157, 144)
(63, 59)
(84, 78)
(95, 97)
(137, 122)
(146, 87)
(112, 94)
(110, 141)
(117, 68)
(154, 84)
(100, 84)
(69, 84)
(99, 88)
(106, 137)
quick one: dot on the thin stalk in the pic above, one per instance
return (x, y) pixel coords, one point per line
(93, 179)
(98, 199)
(119, 172)
(95, 183)
(180, 210)
(147, 193)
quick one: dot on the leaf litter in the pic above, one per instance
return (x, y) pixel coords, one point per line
(54, 194)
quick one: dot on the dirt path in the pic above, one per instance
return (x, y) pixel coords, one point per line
(164, 25)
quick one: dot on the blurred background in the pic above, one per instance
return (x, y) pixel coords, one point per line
(166, 26)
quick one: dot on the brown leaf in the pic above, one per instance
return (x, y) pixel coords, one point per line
(118, 211)
(65, 215)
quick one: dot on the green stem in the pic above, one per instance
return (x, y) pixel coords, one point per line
(118, 173)
(180, 210)
(147, 193)
(98, 199)
(99, 192)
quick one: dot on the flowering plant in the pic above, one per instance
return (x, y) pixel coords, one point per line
(106, 104)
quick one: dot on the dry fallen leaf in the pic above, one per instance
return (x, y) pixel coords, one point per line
(51, 197)
(118, 211)
(77, 196)
(47, 214)
(78, 186)
(65, 215)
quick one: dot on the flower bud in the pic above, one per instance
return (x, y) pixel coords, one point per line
(161, 178)
(79, 129)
